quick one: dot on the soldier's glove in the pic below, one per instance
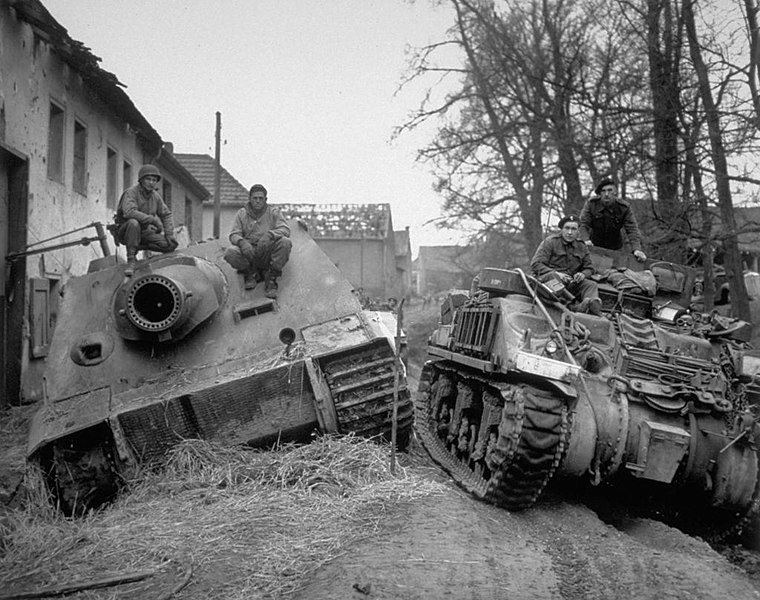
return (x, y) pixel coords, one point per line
(247, 249)
(264, 246)
(640, 256)
(158, 224)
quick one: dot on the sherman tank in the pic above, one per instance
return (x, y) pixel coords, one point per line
(649, 398)
(173, 347)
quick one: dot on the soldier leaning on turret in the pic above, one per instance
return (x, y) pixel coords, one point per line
(143, 221)
(261, 242)
(604, 216)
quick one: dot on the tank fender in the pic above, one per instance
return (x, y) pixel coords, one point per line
(78, 412)
(563, 376)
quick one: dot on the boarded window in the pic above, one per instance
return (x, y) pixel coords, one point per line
(189, 217)
(56, 131)
(126, 175)
(79, 175)
(112, 172)
(39, 316)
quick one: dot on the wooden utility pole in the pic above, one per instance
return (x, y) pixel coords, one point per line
(396, 378)
(218, 176)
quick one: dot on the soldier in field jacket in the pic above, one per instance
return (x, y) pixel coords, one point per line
(603, 218)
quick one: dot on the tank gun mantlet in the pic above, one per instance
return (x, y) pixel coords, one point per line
(167, 298)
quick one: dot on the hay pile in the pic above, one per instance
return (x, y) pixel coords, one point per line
(250, 524)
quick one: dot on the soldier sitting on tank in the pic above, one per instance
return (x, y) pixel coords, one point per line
(261, 242)
(604, 216)
(562, 257)
(143, 221)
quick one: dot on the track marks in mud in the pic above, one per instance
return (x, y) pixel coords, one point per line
(595, 561)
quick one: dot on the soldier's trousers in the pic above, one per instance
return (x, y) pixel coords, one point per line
(273, 259)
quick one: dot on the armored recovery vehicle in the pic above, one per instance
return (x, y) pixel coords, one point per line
(648, 398)
(176, 348)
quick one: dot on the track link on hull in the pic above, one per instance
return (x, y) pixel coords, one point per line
(502, 442)
(361, 384)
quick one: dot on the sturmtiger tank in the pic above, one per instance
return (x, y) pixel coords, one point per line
(649, 397)
(176, 348)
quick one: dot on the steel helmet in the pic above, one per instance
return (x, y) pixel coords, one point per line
(146, 170)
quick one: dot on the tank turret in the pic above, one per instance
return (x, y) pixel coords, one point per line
(174, 347)
(650, 396)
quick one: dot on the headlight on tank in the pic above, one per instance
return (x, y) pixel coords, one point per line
(551, 348)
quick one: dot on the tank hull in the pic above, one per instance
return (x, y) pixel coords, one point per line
(130, 376)
(519, 390)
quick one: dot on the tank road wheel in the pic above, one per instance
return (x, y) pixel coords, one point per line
(500, 442)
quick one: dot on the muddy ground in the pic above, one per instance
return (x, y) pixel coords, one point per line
(453, 546)
(449, 545)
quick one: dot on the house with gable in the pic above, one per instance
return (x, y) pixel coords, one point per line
(233, 195)
(71, 140)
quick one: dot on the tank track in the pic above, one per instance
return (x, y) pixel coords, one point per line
(361, 384)
(532, 425)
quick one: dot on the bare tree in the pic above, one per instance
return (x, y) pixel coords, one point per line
(739, 300)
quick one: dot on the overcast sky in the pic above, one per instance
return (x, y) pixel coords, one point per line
(305, 88)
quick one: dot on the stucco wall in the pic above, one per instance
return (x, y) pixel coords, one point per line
(33, 76)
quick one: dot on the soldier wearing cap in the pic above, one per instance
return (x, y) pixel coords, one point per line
(143, 221)
(603, 218)
(563, 257)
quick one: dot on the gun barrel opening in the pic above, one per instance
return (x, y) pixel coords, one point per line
(154, 303)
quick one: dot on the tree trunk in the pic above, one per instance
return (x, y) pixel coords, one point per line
(664, 59)
(734, 271)
(529, 212)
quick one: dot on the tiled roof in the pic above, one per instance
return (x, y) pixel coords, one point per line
(202, 167)
(342, 220)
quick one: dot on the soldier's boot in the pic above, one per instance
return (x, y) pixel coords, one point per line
(250, 280)
(591, 306)
(270, 287)
(131, 257)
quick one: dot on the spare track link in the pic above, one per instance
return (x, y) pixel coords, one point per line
(533, 435)
(361, 385)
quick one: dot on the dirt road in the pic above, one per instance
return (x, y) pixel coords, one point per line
(453, 546)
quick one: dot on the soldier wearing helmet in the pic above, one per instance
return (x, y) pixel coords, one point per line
(143, 220)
